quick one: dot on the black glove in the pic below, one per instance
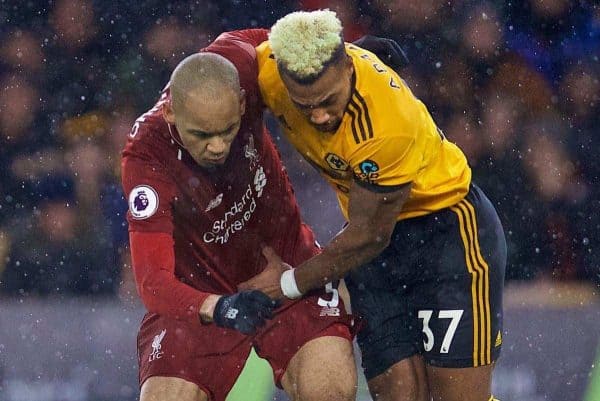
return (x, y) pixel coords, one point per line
(244, 311)
(388, 50)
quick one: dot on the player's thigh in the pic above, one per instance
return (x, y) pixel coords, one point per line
(309, 347)
(404, 381)
(323, 369)
(389, 331)
(460, 384)
(390, 340)
(459, 300)
(160, 388)
(169, 348)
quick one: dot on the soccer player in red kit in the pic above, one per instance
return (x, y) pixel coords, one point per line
(207, 194)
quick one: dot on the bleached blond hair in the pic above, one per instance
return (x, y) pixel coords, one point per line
(304, 42)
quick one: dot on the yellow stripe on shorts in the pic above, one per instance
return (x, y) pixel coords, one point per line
(479, 271)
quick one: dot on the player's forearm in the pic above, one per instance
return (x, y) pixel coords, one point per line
(349, 250)
(161, 292)
(207, 309)
(253, 37)
(372, 217)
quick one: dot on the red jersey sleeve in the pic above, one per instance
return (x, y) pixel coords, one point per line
(150, 192)
(239, 48)
(153, 260)
(253, 37)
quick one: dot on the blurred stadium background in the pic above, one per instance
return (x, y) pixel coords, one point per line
(514, 83)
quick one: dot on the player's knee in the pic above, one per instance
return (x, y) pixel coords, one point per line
(404, 381)
(394, 388)
(170, 389)
(342, 387)
(336, 383)
(323, 369)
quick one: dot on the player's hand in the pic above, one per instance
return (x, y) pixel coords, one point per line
(244, 311)
(388, 50)
(268, 281)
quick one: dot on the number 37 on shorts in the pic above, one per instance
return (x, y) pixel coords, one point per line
(429, 341)
(455, 335)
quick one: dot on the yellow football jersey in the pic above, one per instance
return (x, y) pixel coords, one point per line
(386, 137)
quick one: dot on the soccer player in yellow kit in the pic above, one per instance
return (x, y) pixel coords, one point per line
(423, 252)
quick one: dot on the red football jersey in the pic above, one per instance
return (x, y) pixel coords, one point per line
(219, 220)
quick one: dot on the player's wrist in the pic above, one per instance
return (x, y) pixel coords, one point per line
(288, 284)
(207, 309)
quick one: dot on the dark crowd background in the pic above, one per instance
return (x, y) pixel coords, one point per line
(514, 83)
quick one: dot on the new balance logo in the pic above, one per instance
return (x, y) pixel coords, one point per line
(214, 203)
(329, 311)
(260, 180)
(156, 346)
(231, 313)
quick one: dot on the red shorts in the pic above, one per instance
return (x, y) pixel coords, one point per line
(213, 357)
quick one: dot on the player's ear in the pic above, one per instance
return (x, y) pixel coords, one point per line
(167, 112)
(349, 66)
(242, 101)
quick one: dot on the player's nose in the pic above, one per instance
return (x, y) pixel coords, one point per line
(319, 116)
(216, 145)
